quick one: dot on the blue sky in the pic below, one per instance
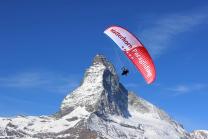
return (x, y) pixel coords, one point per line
(45, 47)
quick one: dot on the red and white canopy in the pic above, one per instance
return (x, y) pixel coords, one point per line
(134, 50)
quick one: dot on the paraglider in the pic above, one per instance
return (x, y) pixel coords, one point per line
(134, 50)
(125, 71)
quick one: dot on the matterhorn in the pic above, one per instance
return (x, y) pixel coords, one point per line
(100, 108)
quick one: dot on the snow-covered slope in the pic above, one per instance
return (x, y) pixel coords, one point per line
(199, 134)
(102, 108)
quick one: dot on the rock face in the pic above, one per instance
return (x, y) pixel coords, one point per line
(99, 92)
(100, 108)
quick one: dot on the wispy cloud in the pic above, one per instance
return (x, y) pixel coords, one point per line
(132, 85)
(158, 36)
(41, 80)
(182, 89)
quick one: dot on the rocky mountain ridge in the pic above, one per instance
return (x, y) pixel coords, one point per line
(100, 108)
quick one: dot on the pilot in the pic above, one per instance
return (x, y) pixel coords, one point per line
(125, 71)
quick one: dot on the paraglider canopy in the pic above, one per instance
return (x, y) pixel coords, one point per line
(134, 50)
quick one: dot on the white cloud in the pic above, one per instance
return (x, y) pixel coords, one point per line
(157, 38)
(181, 89)
(132, 85)
(40, 80)
(23, 80)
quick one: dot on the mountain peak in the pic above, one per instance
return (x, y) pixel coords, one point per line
(99, 92)
(99, 108)
(99, 59)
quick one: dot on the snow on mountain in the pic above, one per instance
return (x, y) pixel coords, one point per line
(100, 108)
(199, 134)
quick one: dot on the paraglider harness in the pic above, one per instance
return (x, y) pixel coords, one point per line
(125, 71)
